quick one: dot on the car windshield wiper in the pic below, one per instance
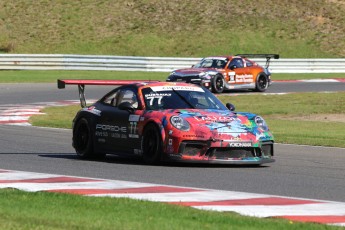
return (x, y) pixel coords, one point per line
(183, 98)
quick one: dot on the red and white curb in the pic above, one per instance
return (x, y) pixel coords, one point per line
(19, 114)
(249, 204)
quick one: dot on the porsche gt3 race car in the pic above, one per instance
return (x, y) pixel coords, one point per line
(167, 121)
(228, 72)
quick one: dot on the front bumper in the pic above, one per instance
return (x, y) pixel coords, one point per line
(206, 152)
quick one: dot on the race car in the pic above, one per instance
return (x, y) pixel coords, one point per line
(228, 72)
(167, 121)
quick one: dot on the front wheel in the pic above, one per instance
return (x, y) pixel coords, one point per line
(152, 144)
(261, 83)
(217, 84)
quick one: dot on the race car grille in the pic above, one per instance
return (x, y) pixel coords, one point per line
(192, 148)
(195, 79)
(225, 153)
(267, 148)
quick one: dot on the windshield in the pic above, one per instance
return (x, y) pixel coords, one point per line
(180, 97)
(218, 63)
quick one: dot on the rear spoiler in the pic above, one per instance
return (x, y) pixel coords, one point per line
(81, 85)
(267, 56)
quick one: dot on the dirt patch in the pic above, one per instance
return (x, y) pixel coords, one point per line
(314, 117)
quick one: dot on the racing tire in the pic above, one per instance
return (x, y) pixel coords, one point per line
(82, 140)
(261, 83)
(151, 144)
(217, 84)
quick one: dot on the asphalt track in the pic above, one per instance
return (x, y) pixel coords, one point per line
(300, 171)
(43, 92)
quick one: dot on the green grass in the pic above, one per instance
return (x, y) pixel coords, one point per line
(43, 210)
(304, 118)
(50, 76)
(193, 28)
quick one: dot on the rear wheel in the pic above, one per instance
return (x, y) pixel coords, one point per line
(152, 144)
(261, 83)
(82, 140)
(217, 84)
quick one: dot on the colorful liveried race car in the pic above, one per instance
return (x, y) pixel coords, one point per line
(167, 121)
(228, 72)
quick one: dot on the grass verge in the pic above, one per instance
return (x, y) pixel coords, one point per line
(43, 210)
(304, 118)
(50, 76)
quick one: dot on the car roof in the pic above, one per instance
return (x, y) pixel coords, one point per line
(164, 83)
(222, 57)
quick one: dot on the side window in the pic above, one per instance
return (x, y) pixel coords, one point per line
(207, 63)
(123, 95)
(238, 62)
(249, 63)
(111, 99)
(198, 100)
(127, 95)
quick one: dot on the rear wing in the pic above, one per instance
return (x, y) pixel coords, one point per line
(267, 56)
(61, 84)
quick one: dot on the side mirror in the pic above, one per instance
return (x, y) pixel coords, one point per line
(230, 106)
(232, 67)
(126, 106)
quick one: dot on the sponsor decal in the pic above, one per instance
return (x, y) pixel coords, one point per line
(133, 117)
(240, 144)
(113, 128)
(158, 95)
(137, 151)
(232, 76)
(101, 140)
(194, 135)
(215, 119)
(133, 130)
(244, 78)
(93, 110)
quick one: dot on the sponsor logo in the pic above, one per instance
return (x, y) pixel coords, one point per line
(244, 78)
(93, 110)
(113, 128)
(240, 144)
(214, 119)
(133, 117)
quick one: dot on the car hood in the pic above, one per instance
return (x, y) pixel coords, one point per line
(221, 124)
(193, 71)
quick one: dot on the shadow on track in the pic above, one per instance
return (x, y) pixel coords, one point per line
(114, 159)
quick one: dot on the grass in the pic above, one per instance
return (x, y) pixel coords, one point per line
(43, 210)
(294, 29)
(304, 118)
(50, 76)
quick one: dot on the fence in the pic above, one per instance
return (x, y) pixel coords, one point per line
(156, 64)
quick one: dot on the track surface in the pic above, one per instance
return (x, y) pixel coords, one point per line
(300, 171)
(43, 92)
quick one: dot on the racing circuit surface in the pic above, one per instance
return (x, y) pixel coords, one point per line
(299, 171)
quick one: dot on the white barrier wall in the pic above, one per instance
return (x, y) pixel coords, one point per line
(157, 64)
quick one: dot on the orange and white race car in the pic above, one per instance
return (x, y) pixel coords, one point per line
(228, 72)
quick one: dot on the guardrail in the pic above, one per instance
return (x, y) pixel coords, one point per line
(154, 64)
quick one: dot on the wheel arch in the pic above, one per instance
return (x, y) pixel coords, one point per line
(159, 126)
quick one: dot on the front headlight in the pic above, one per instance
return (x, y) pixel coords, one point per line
(202, 74)
(259, 121)
(179, 123)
